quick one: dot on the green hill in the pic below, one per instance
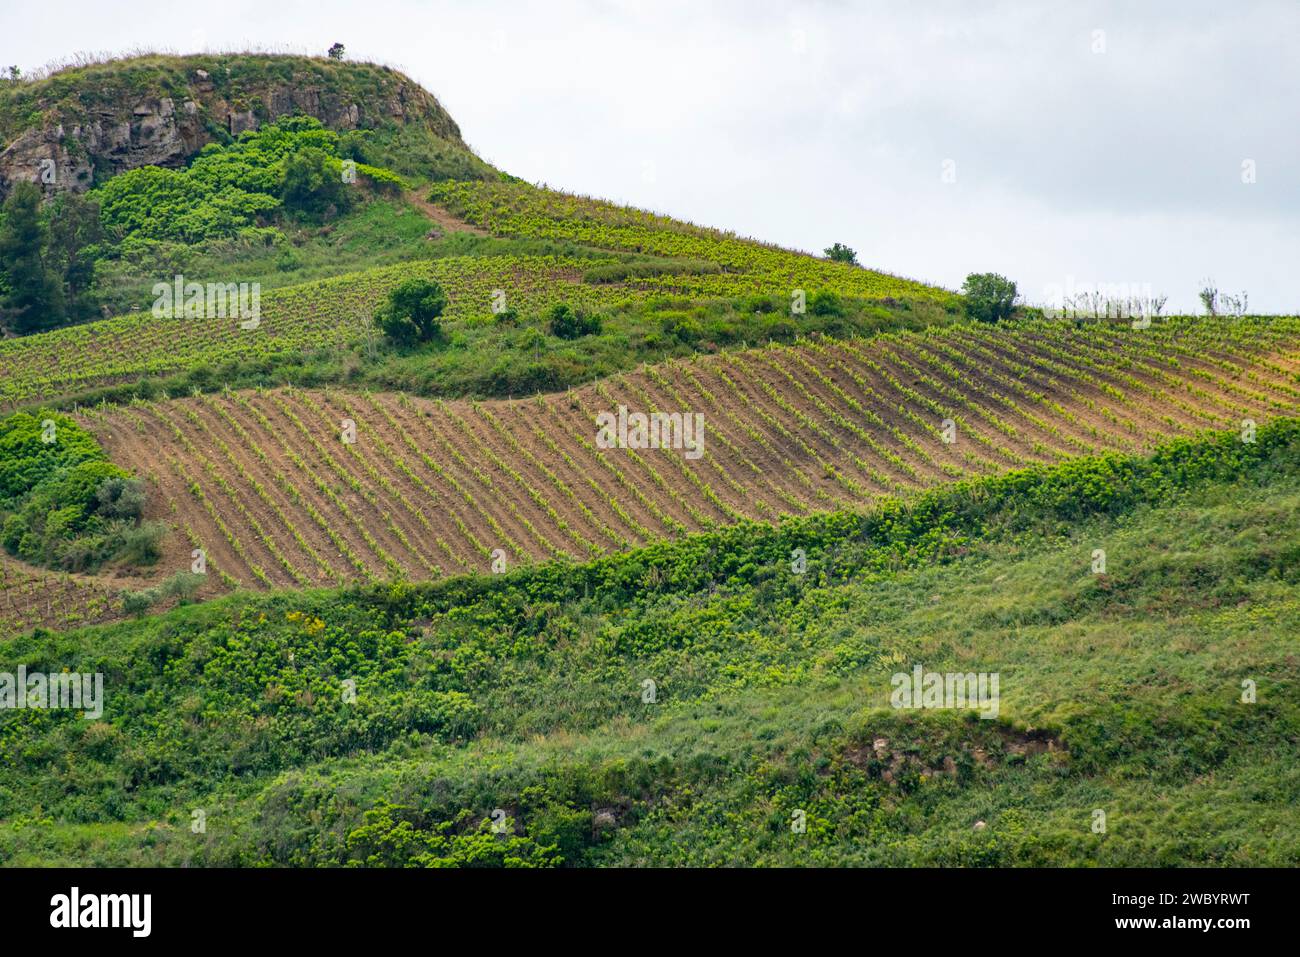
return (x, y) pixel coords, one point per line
(951, 582)
(394, 726)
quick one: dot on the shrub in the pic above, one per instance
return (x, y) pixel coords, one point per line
(313, 183)
(1209, 296)
(63, 504)
(564, 322)
(681, 326)
(762, 304)
(411, 314)
(142, 544)
(840, 253)
(119, 497)
(138, 602)
(989, 297)
(825, 303)
(182, 585)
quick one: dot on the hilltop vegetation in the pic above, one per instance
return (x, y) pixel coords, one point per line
(206, 151)
(408, 129)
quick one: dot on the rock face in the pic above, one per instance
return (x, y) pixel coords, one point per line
(83, 138)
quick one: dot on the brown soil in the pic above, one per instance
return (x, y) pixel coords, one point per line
(430, 486)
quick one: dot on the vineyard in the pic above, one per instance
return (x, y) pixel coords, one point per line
(521, 528)
(310, 316)
(748, 266)
(296, 488)
(36, 598)
(337, 311)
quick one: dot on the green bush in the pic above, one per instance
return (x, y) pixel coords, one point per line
(294, 163)
(412, 312)
(63, 504)
(119, 497)
(313, 184)
(825, 303)
(183, 586)
(565, 322)
(840, 253)
(989, 297)
(139, 602)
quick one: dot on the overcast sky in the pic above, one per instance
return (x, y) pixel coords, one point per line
(1087, 142)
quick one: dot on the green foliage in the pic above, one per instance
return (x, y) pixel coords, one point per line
(291, 164)
(386, 726)
(411, 314)
(120, 498)
(75, 235)
(989, 297)
(152, 203)
(336, 51)
(565, 322)
(35, 449)
(382, 180)
(840, 253)
(825, 303)
(393, 836)
(313, 184)
(33, 298)
(62, 503)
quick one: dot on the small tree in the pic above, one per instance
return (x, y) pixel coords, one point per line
(412, 313)
(119, 497)
(989, 297)
(336, 52)
(35, 296)
(1209, 297)
(841, 254)
(74, 237)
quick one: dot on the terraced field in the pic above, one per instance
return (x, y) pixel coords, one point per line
(748, 266)
(330, 312)
(266, 485)
(337, 311)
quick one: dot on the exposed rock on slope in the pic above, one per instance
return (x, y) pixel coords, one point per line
(82, 125)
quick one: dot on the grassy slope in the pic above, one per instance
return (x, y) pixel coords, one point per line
(771, 691)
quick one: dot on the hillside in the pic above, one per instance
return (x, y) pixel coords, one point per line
(526, 694)
(263, 483)
(519, 527)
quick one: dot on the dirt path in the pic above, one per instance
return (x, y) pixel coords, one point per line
(447, 223)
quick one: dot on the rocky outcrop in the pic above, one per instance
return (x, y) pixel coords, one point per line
(84, 138)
